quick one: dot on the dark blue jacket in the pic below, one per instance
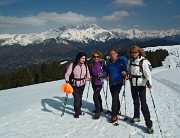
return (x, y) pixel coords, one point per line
(114, 70)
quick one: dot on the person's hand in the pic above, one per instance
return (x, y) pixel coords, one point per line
(149, 85)
(107, 78)
(100, 75)
(127, 77)
(87, 79)
(123, 73)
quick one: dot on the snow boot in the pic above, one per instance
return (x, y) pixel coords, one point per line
(134, 119)
(76, 115)
(113, 119)
(150, 130)
(97, 116)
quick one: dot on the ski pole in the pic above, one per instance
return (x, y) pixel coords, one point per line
(105, 96)
(125, 99)
(64, 104)
(85, 107)
(156, 113)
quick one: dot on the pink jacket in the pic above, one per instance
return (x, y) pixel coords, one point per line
(79, 72)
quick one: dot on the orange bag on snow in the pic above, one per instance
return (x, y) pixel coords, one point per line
(67, 88)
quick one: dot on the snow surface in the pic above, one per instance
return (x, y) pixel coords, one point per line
(35, 111)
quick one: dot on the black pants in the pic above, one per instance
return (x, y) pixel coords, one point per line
(97, 97)
(115, 90)
(77, 94)
(139, 94)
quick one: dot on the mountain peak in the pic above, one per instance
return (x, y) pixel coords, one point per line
(85, 33)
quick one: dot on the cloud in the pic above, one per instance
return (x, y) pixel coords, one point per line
(24, 20)
(116, 16)
(128, 3)
(177, 16)
(68, 17)
(7, 2)
(136, 25)
(44, 17)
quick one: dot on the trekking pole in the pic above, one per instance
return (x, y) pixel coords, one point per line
(125, 99)
(64, 104)
(85, 107)
(156, 114)
(105, 96)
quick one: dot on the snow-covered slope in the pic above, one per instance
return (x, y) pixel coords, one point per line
(35, 111)
(83, 34)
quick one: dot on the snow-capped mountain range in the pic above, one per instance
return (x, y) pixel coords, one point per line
(83, 34)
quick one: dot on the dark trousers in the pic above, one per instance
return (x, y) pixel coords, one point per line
(139, 94)
(77, 94)
(115, 90)
(97, 97)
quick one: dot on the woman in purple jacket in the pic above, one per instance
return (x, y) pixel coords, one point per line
(96, 68)
(81, 75)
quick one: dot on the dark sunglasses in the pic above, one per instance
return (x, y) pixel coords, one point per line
(95, 56)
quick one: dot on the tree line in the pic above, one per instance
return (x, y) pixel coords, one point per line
(55, 71)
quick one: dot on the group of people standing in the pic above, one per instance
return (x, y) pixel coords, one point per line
(116, 71)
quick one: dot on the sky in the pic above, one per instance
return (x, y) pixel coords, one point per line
(35, 111)
(34, 16)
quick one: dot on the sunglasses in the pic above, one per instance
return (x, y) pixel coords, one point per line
(134, 52)
(95, 56)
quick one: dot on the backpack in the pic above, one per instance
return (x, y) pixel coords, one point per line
(71, 76)
(102, 62)
(140, 68)
(122, 60)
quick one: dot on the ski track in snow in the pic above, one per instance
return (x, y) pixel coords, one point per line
(167, 107)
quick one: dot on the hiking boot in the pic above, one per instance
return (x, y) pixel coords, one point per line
(150, 130)
(97, 116)
(80, 113)
(135, 119)
(76, 116)
(113, 119)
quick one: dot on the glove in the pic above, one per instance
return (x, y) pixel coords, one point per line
(149, 85)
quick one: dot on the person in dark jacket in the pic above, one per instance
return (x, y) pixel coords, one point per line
(115, 70)
(80, 76)
(96, 68)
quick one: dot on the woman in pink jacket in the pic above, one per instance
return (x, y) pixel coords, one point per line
(77, 75)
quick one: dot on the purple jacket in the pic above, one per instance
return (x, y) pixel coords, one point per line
(79, 72)
(94, 71)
